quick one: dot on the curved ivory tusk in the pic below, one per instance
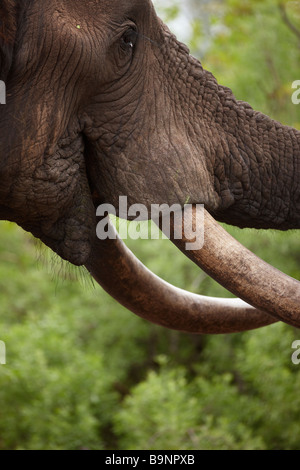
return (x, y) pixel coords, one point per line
(240, 271)
(126, 279)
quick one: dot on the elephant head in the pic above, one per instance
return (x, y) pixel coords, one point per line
(103, 101)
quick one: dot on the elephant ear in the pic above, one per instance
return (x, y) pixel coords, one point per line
(8, 29)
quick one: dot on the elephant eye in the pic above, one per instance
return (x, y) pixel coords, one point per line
(129, 39)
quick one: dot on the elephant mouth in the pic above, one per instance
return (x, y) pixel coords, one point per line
(268, 294)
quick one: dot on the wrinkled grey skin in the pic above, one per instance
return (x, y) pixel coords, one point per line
(116, 107)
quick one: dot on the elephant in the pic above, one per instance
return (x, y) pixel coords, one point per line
(103, 101)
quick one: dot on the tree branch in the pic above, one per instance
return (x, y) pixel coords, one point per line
(287, 21)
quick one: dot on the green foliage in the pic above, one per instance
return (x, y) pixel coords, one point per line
(242, 394)
(257, 54)
(82, 372)
(168, 412)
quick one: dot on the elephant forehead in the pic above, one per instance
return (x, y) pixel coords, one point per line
(107, 10)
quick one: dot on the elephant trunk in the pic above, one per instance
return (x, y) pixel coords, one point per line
(251, 161)
(257, 168)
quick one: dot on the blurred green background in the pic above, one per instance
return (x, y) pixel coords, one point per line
(84, 373)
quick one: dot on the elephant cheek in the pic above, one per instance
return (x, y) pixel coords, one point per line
(72, 235)
(58, 206)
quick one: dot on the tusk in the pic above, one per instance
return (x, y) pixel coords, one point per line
(240, 271)
(126, 279)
